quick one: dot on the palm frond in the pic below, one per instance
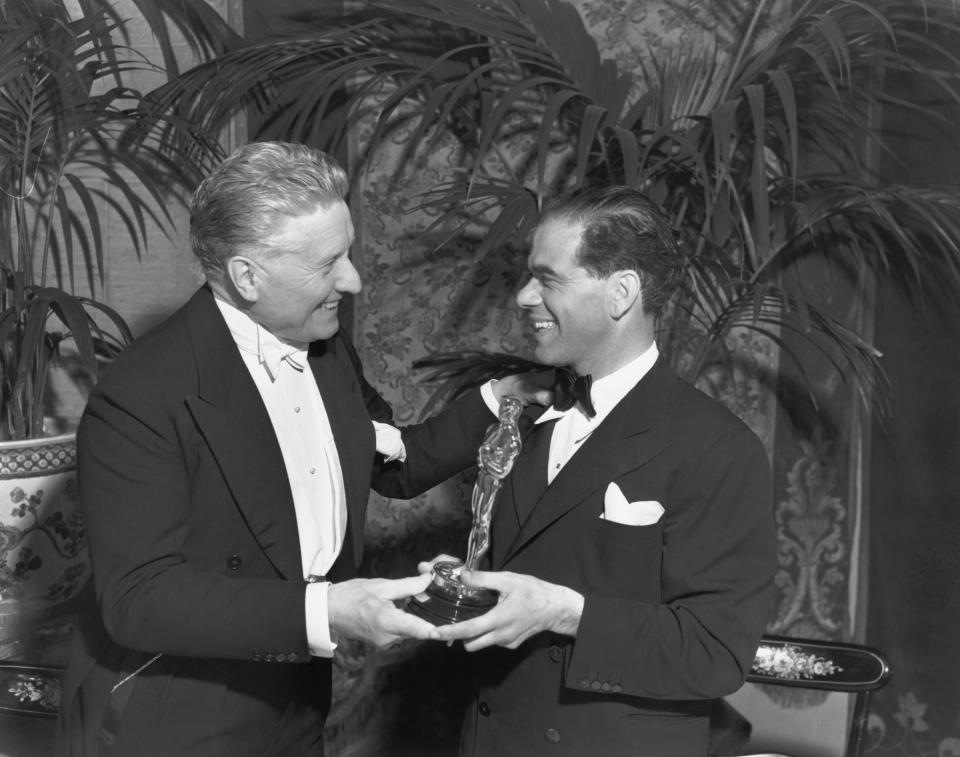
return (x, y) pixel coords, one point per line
(459, 371)
(64, 105)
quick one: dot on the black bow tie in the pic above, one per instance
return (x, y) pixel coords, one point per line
(569, 389)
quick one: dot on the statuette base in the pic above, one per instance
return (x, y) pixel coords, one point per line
(447, 600)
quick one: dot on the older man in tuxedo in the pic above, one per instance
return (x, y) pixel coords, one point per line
(633, 544)
(225, 462)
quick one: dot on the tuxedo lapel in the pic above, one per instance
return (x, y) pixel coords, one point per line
(630, 437)
(234, 422)
(528, 489)
(520, 492)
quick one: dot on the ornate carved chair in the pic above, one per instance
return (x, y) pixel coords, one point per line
(826, 665)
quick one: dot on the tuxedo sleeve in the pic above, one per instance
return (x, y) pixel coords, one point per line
(718, 562)
(436, 449)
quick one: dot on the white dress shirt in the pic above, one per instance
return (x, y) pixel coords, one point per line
(300, 421)
(574, 426)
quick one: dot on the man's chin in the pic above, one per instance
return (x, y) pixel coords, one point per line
(544, 355)
(327, 331)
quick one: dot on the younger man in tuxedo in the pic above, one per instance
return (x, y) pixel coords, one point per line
(633, 544)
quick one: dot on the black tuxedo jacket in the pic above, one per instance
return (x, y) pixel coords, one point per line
(673, 611)
(193, 539)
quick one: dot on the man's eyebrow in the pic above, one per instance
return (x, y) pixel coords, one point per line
(540, 269)
(334, 257)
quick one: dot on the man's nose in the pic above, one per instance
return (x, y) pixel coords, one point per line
(529, 294)
(348, 278)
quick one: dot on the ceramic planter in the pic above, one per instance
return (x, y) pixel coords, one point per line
(43, 547)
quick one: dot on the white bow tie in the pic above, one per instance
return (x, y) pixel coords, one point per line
(274, 352)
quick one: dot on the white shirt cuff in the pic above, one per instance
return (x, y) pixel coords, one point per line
(389, 442)
(319, 638)
(489, 398)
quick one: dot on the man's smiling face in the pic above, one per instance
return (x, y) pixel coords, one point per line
(300, 288)
(567, 306)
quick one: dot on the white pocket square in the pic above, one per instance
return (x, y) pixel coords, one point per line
(616, 509)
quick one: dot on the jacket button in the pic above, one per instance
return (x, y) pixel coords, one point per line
(596, 685)
(605, 687)
(585, 683)
(555, 653)
(616, 688)
(484, 709)
(552, 735)
(234, 562)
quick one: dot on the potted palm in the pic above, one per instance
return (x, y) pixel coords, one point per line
(64, 100)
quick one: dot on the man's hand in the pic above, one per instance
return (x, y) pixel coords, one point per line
(527, 606)
(364, 609)
(534, 388)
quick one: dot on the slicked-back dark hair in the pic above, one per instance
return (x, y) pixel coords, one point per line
(246, 198)
(623, 229)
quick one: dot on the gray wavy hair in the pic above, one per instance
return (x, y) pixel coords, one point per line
(239, 206)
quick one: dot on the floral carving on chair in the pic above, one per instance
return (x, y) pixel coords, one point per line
(791, 663)
(35, 691)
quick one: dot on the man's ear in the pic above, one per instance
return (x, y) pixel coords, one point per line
(625, 294)
(243, 275)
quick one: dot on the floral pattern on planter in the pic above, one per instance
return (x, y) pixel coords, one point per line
(43, 548)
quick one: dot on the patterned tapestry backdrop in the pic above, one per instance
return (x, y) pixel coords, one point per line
(421, 296)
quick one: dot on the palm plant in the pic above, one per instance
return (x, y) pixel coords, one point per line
(64, 100)
(760, 149)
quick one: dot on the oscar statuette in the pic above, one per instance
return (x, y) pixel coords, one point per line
(447, 599)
